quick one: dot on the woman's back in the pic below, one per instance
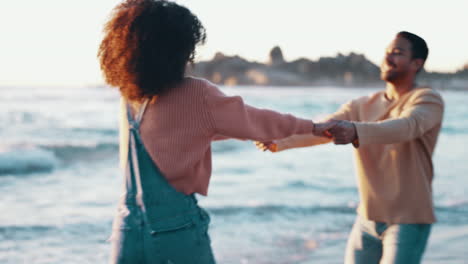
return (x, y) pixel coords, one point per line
(177, 130)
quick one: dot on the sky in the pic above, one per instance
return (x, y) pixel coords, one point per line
(54, 42)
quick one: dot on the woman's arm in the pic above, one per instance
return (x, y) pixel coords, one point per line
(307, 140)
(230, 117)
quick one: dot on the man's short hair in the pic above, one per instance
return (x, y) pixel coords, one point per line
(419, 49)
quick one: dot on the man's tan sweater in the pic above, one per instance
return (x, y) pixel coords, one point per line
(394, 159)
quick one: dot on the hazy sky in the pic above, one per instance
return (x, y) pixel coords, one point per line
(54, 42)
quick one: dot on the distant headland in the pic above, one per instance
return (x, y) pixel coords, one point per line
(351, 70)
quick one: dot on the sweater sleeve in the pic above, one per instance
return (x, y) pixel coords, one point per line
(308, 140)
(424, 113)
(230, 117)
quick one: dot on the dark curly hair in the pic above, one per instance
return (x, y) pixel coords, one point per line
(147, 45)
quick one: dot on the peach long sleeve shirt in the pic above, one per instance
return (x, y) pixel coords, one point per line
(394, 160)
(178, 128)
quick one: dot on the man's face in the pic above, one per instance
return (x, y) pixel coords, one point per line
(397, 63)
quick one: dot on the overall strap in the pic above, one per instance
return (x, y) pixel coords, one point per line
(134, 123)
(134, 178)
(139, 116)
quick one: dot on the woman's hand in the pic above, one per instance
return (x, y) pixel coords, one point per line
(264, 146)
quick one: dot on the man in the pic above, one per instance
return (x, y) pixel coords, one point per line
(394, 133)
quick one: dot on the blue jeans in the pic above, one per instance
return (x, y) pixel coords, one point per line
(379, 243)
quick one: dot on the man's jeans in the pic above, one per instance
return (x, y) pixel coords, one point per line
(378, 243)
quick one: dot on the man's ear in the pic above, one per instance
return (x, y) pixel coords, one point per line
(417, 64)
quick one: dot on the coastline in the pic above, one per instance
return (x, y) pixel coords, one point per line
(347, 71)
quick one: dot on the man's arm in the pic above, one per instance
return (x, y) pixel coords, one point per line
(424, 114)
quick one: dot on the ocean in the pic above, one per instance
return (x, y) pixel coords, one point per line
(60, 181)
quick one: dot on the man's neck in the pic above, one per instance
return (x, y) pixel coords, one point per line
(395, 91)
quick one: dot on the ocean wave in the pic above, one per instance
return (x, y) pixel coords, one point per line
(454, 130)
(234, 171)
(25, 160)
(100, 230)
(99, 131)
(24, 232)
(22, 159)
(280, 209)
(84, 152)
(226, 146)
(452, 213)
(309, 186)
(32, 228)
(448, 215)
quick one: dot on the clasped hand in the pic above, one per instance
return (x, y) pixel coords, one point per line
(340, 131)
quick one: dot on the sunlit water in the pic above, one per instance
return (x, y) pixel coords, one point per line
(59, 182)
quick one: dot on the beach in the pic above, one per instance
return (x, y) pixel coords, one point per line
(60, 181)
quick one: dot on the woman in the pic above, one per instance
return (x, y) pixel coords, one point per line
(167, 124)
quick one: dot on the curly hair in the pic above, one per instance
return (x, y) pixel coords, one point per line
(147, 45)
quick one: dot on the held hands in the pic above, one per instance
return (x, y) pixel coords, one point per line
(340, 131)
(320, 129)
(344, 132)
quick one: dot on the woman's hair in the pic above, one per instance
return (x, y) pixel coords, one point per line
(147, 45)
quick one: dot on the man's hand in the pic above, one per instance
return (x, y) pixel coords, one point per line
(322, 129)
(344, 132)
(264, 146)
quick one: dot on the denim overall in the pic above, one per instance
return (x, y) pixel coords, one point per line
(154, 222)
